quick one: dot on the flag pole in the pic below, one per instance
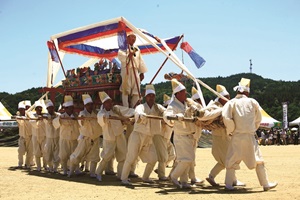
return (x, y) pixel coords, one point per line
(62, 67)
(165, 60)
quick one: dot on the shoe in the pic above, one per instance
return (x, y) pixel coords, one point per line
(164, 178)
(212, 182)
(185, 185)
(110, 173)
(81, 167)
(229, 188)
(93, 175)
(148, 181)
(99, 178)
(38, 169)
(176, 183)
(238, 183)
(133, 175)
(27, 167)
(70, 174)
(78, 172)
(197, 181)
(125, 182)
(270, 186)
(19, 167)
(65, 173)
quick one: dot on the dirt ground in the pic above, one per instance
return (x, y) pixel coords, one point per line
(282, 164)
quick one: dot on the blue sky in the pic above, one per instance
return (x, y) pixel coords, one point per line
(225, 33)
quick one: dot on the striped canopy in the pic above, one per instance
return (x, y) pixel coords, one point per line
(100, 40)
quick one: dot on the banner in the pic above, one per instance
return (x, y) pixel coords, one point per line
(198, 60)
(285, 113)
(53, 52)
(8, 124)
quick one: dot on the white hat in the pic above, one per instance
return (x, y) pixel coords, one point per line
(21, 105)
(86, 99)
(176, 86)
(103, 96)
(167, 100)
(48, 103)
(38, 103)
(244, 86)
(27, 103)
(195, 94)
(149, 89)
(68, 101)
(222, 90)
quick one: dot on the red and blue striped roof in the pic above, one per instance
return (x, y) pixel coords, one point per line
(101, 41)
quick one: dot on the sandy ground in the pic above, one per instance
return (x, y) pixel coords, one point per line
(282, 163)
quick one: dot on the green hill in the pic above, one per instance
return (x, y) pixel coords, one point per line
(269, 93)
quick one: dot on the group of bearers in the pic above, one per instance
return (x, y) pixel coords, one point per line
(69, 139)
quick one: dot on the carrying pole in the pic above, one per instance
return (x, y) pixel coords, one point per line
(165, 60)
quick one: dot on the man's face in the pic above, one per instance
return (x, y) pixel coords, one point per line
(150, 99)
(131, 39)
(181, 95)
(108, 105)
(38, 110)
(22, 111)
(89, 107)
(50, 110)
(69, 110)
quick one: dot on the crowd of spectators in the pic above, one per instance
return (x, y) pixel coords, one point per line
(278, 136)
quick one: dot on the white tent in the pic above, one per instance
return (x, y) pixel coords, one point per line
(4, 113)
(267, 121)
(295, 122)
(5, 117)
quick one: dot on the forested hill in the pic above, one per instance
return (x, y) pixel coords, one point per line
(269, 93)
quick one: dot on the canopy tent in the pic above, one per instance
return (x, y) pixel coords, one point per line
(4, 113)
(267, 121)
(5, 118)
(100, 40)
(296, 122)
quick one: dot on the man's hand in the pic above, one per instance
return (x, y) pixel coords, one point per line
(180, 116)
(143, 116)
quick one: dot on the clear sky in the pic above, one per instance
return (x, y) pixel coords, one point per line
(226, 33)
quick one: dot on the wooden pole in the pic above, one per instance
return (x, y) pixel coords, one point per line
(62, 67)
(165, 60)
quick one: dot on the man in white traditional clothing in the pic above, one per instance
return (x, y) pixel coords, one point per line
(52, 138)
(25, 139)
(211, 119)
(168, 130)
(28, 114)
(161, 140)
(140, 141)
(184, 131)
(88, 140)
(38, 135)
(68, 133)
(111, 119)
(242, 118)
(132, 72)
(195, 103)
